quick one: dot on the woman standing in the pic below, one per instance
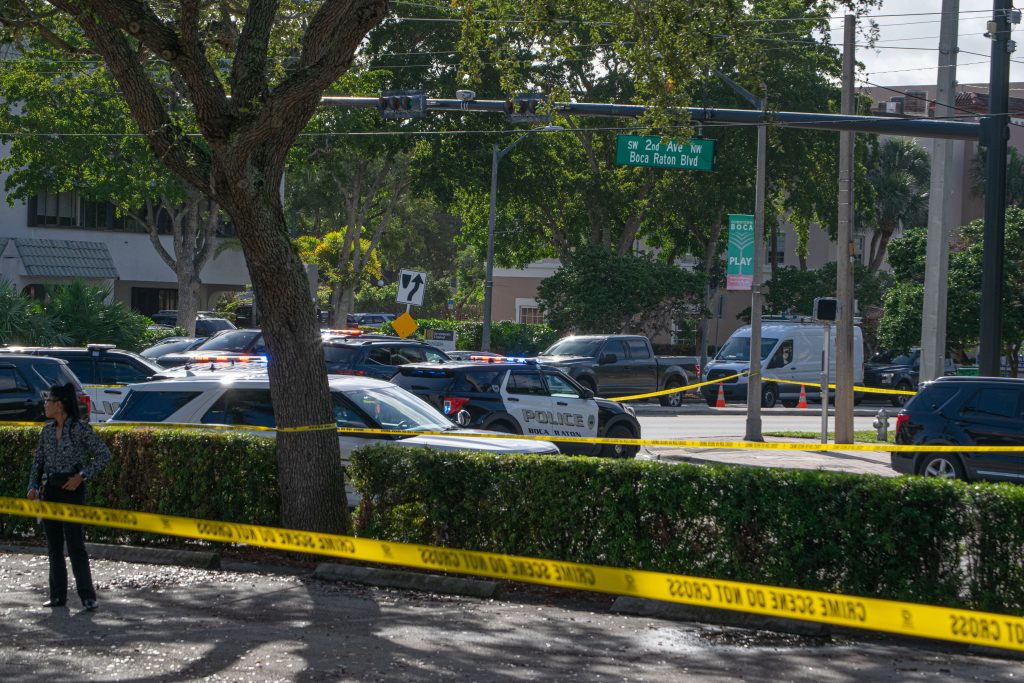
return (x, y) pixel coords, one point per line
(62, 466)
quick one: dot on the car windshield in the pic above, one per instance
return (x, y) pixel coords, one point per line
(891, 358)
(395, 408)
(574, 347)
(738, 349)
(235, 340)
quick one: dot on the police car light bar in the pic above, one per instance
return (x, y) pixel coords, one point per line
(231, 359)
(347, 332)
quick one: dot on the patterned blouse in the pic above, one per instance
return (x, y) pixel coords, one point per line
(69, 454)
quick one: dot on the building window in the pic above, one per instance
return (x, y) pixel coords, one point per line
(150, 300)
(70, 210)
(780, 249)
(530, 314)
(915, 103)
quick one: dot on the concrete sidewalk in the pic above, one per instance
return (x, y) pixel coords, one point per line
(857, 462)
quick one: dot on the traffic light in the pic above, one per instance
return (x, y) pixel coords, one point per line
(826, 309)
(403, 104)
(524, 109)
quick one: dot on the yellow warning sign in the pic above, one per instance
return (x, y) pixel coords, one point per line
(404, 325)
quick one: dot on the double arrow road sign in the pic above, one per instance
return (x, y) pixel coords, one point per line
(411, 286)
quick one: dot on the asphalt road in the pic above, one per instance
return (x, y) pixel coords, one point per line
(681, 424)
(250, 624)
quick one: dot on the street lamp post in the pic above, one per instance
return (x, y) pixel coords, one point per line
(496, 156)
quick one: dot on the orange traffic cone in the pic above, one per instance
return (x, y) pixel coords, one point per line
(803, 397)
(720, 403)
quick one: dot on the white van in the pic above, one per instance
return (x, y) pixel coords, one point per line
(791, 351)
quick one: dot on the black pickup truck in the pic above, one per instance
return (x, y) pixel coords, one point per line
(620, 365)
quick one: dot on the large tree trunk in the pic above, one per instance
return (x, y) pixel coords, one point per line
(310, 475)
(344, 299)
(880, 244)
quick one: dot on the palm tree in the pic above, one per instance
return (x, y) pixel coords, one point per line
(900, 179)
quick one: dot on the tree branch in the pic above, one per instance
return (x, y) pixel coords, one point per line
(169, 145)
(249, 70)
(153, 229)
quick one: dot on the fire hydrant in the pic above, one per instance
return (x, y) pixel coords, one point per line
(881, 423)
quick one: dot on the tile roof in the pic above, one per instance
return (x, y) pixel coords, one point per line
(65, 258)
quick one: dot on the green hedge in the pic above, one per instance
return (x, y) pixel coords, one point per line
(903, 538)
(210, 475)
(510, 338)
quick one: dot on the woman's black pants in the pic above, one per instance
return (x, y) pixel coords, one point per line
(59, 533)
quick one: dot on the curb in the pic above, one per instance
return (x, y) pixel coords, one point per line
(184, 558)
(391, 578)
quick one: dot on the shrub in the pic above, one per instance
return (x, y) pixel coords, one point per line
(905, 538)
(210, 475)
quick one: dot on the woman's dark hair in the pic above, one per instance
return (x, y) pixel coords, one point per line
(68, 397)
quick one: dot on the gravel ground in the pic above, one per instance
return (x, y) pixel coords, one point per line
(166, 623)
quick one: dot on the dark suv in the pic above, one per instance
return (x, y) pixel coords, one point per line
(377, 357)
(964, 411)
(103, 371)
(24, 381)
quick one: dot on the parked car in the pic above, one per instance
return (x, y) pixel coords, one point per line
(171, 345)
(963, 411)
(359, 403)
(789, 351)
(24, 382)
(620, 365)
(890, 370)
(227, 343)
(207, 322)
(522, 397)
(373, 356)
(369, 319)
(102, 370)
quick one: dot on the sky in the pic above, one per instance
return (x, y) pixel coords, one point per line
(891, 63)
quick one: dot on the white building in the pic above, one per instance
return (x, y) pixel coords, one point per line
(56, 238)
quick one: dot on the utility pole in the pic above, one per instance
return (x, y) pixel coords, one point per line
(845, 251)
(940, 207)
(994, 131)
(756, 298)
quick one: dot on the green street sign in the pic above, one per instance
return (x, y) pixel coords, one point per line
(739, 272)
(649, 150)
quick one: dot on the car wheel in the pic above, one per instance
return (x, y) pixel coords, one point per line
(503, 427)
(858, 398)
(769, 396)
(943, 466)
(612, 450)
(900, 400)
(672, 400)
(788, 403)
(711, 401)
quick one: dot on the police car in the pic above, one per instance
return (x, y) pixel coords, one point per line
(239, 395)
(520, 396)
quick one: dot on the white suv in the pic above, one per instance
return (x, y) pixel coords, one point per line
(241, 397)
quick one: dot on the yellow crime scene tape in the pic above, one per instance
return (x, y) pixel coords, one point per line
(680, 443)
(688, 387)
(860, 390)
(675, 390)
(873, 614)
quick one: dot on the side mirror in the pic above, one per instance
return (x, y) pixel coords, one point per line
(608, 358)
(462, 418)
(587, 393)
